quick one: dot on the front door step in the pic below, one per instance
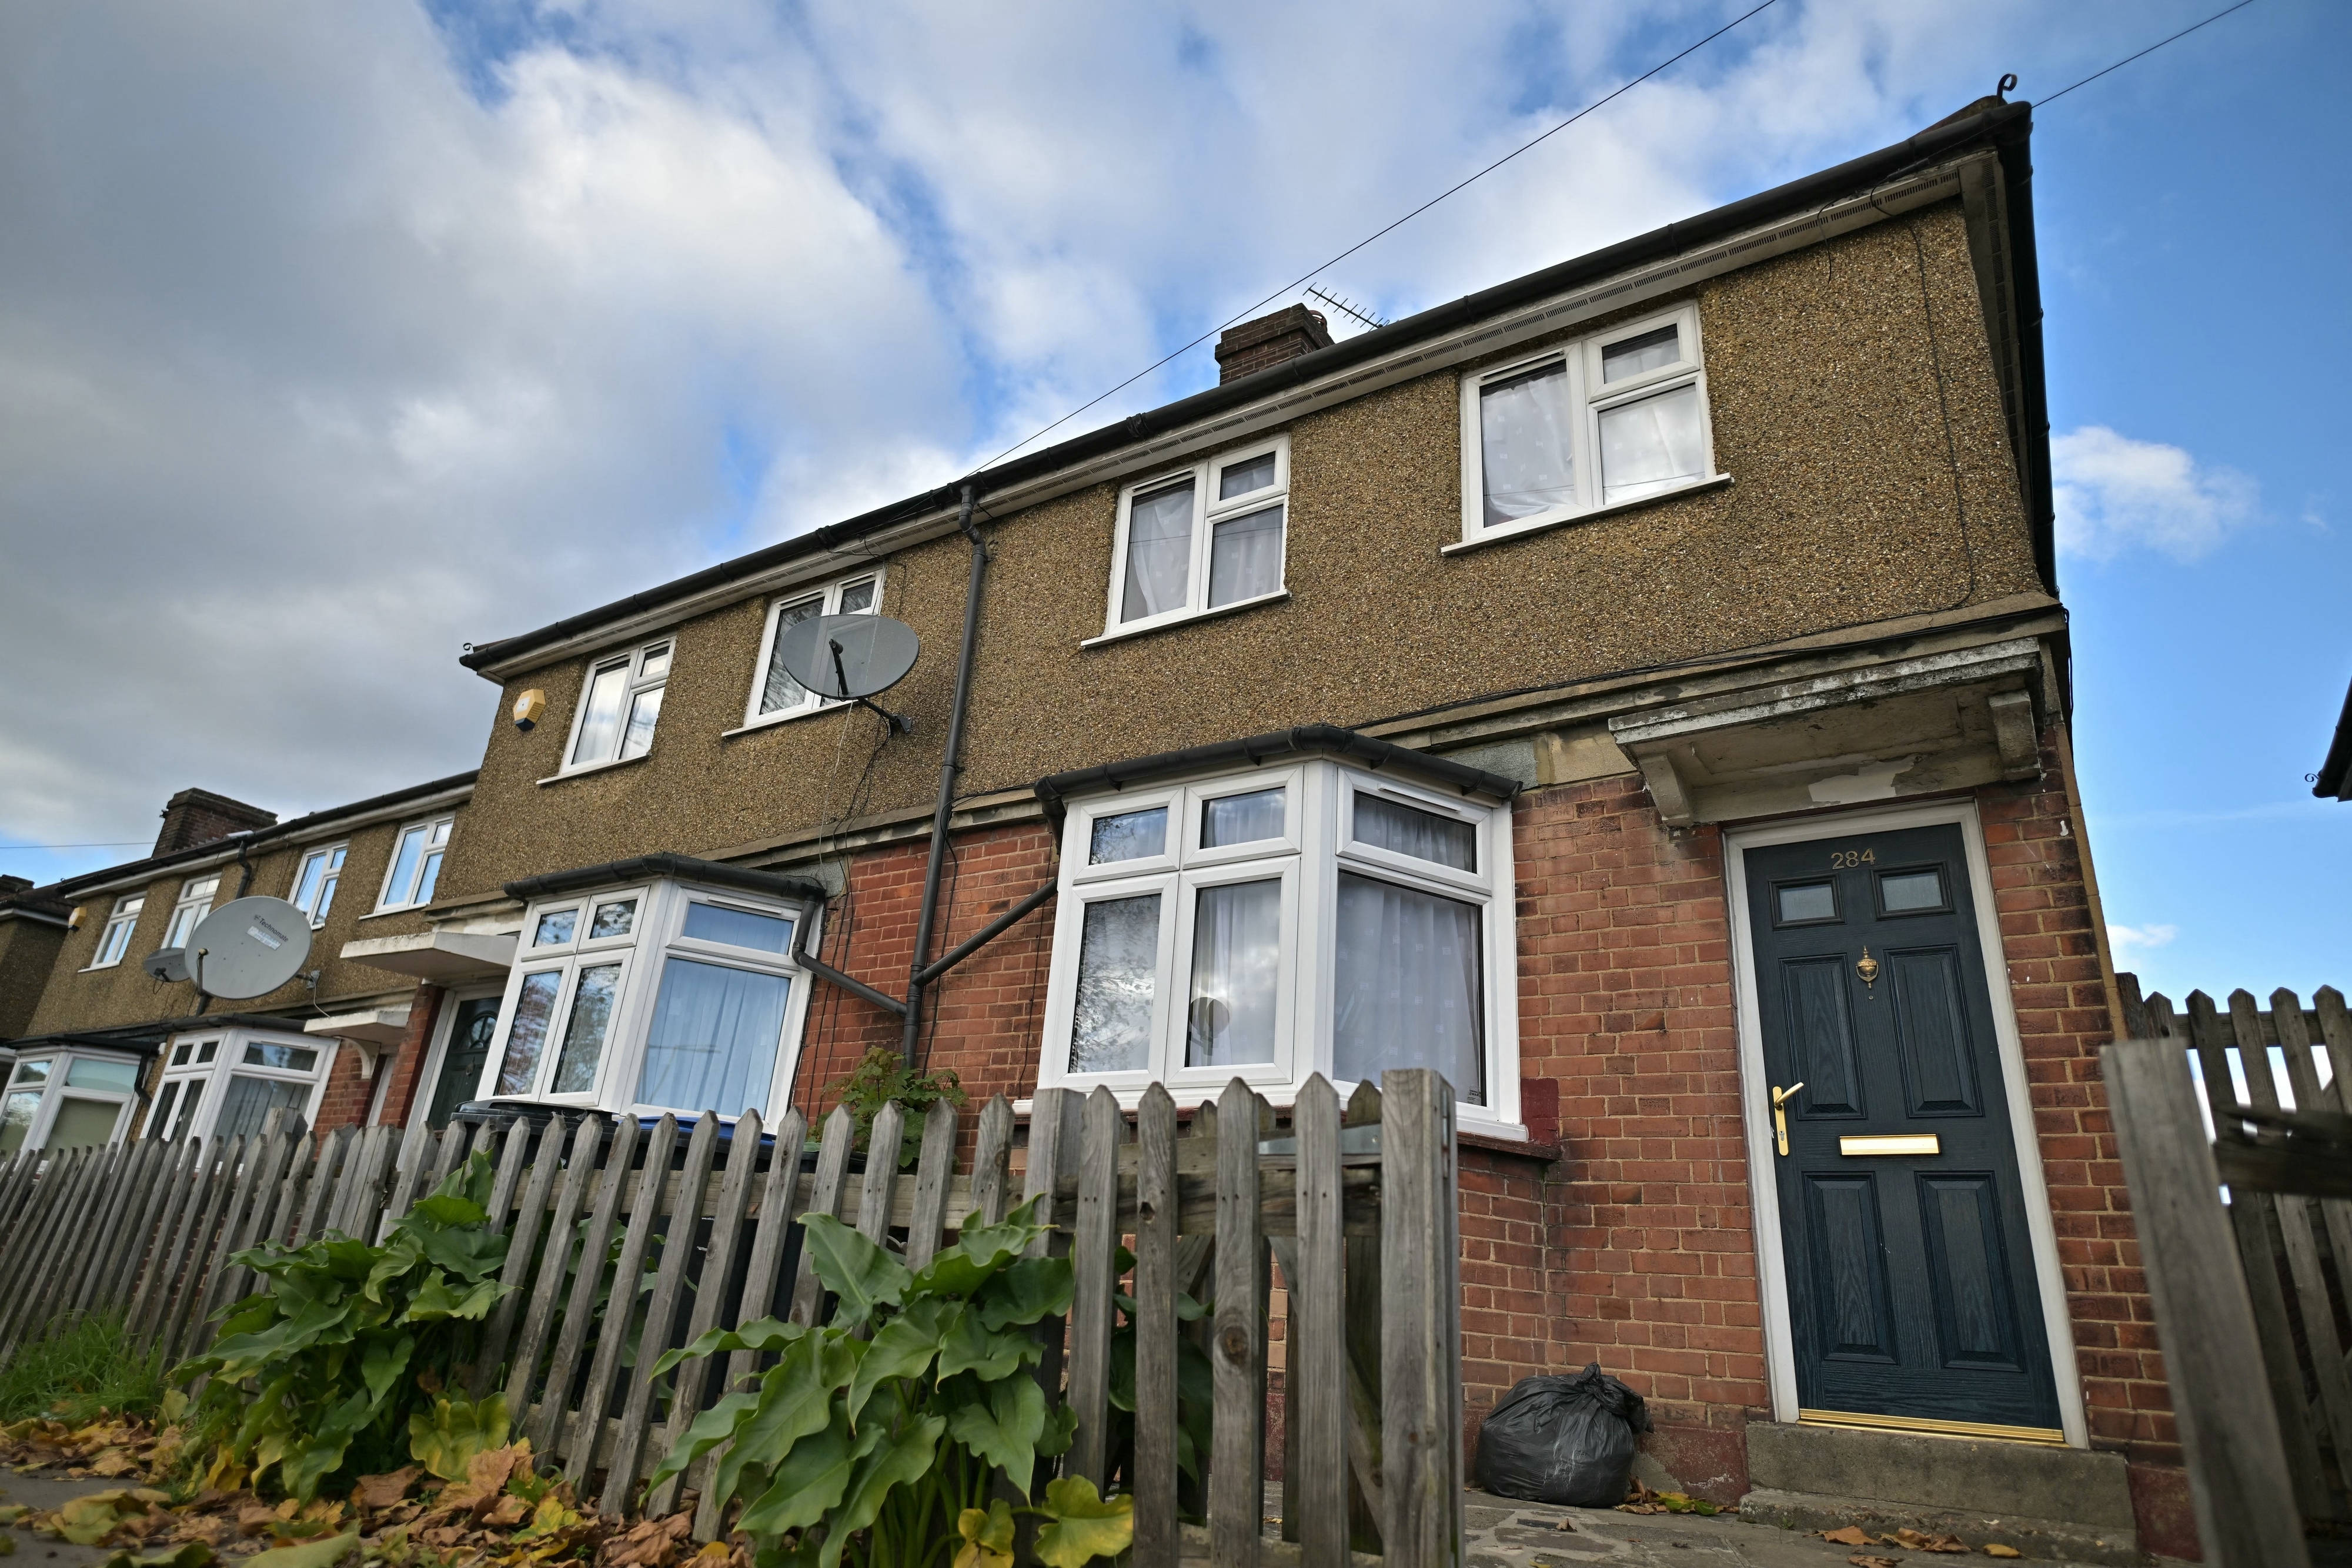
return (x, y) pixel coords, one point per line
(2048, 1502)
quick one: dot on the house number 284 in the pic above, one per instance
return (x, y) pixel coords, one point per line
(1839, 860)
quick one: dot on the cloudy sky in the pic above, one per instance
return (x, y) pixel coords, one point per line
(335, 337)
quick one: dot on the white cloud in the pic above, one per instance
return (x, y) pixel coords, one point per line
(2131, 941)
(2115, 494)
(329, 341)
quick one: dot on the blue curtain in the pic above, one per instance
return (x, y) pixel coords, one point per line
(714, 1038)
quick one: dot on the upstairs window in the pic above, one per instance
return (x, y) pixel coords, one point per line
(196, 903)
(115, 940)
(416, 859)
(315, 881)
(1208, 537)
(619, 707)
(775, 694)
(1618, 417)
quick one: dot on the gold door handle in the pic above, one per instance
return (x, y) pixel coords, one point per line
(1779, 1113)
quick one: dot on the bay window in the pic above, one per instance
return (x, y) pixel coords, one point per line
(68, 1100)
(225, 1083)
(1204, 539)
(1315, 917)
(775, 694)
(666, 996)
(619, 707)
(1613, 419)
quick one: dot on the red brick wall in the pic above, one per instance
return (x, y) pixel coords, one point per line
(1648, 1260)
(984, 1016)
(405, 1068)
(2061, 1021)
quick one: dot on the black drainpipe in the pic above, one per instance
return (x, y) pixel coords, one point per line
(950, 767)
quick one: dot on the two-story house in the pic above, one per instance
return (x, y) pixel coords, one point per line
(1639, 690)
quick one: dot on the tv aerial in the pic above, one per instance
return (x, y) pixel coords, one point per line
(851, 659)
(247, 947)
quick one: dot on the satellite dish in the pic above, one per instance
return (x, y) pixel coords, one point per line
(849, 658)
(248, 948)
(169, 965)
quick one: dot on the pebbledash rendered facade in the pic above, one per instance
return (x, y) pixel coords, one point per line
(1639, 690)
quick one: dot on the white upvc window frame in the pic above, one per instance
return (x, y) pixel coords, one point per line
(212, 1059)
(331, 859)
(827, 598)
(639, 679)
(122, 925)
(1314, 848)
(1590, 397)
(1208, 511)
(54, 1090)
(433, 851)
(188, 911)
(657, 935)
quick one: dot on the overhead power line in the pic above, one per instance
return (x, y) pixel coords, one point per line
(2062, 92)
(1316, 271)
(1245, 313)
(118, 844)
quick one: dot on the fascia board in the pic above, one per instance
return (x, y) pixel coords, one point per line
(1494, 335)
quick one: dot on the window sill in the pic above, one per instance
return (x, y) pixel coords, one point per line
(1541, 525)
(99, 968)
(588, 768)
(765, 721)
(1277, 597)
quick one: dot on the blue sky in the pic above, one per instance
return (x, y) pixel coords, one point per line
(333, 337)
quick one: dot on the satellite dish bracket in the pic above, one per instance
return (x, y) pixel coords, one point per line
(899, 723)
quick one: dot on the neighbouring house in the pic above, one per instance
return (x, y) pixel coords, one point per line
(1639, 690)
(2334, 780)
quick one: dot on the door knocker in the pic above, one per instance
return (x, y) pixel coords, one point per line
(1868, 969)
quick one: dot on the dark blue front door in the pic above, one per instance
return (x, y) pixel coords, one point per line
(1910, 1270)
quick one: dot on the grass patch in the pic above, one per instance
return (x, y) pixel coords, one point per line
(73, 1375)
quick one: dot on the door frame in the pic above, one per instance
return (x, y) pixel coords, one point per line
(445, 1023)
(1756, 1116)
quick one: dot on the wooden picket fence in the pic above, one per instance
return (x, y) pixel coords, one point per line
(2251, 1294)
(1358, 1202)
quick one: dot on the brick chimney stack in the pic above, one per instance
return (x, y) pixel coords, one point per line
(196, 817)
(1269, 340)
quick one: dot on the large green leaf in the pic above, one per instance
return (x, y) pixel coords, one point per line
(1005, 1430)
(385, 1359)
(979, 1252)
(795, 1399)
(905, 1347)
(861, 1274)
(707, 1431)
(442, 1210)
(767, 1333)
(454, 1431)
(807, 1485)
(969, 1347)
(897, 1461)
(1032, 1289)
(1086, 1526)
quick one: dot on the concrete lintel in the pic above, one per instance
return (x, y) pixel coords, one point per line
(1756, 706)
(440, 957)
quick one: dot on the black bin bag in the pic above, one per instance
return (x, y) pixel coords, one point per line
(1562, 1440)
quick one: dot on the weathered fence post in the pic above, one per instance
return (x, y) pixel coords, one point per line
(2230, 1430)
(1421, 1330)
